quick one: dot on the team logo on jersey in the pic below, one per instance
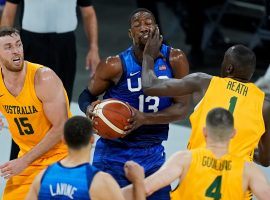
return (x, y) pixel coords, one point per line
(162, 67)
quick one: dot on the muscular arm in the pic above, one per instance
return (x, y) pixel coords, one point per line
(174, 168)
(264, 144)
(50, 91)
(195, 82)
(34, 189)
(256, 181)
(9, 13)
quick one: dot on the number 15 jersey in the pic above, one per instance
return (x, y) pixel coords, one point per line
(27, 121)
(245, 101)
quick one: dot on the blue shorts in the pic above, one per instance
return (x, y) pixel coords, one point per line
(111, 158)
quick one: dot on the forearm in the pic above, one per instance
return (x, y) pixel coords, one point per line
(8, 15)
(53, 136)
(175, 112)
(85, 99)
(138, 190)
(91, 29)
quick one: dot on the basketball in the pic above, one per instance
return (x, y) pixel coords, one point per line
(111, 118)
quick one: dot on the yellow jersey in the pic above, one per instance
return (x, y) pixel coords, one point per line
(26, 119)
(211, 178)
(245, 101)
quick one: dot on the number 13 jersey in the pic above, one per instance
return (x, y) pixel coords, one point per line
(27, 121)
(245, 101)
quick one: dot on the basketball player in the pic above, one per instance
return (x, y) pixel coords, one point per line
(74, 178)
(233, 91)
(120, 77)
(34, 102)
(211, 172)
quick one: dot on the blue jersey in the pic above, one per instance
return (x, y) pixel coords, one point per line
(129, 89)
(63, 183)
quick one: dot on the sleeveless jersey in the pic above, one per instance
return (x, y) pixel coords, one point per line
(26, 119)
(245, 101)
(129, 89)
(63, 183)
(210, 178)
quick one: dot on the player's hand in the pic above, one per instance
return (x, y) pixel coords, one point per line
(137, 119)
(153, 44)
(134, 172)
(92, 60)
(90, 109)
(12, 168)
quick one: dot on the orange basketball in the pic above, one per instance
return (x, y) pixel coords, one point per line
(111, 118)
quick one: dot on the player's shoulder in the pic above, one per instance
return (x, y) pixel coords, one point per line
(109, 67)
(45, 74)
(176, 52)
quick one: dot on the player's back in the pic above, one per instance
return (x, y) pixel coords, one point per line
(245, 101)
(27, 121)
(60, 182)
(211, 178)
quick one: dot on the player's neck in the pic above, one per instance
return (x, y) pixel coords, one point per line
(218, 149)
(16, 78)
(138, 52)
(76, 157)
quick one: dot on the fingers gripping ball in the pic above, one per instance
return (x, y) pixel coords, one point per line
(110, 118)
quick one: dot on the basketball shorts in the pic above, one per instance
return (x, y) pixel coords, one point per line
(111, 159)
(18, 186)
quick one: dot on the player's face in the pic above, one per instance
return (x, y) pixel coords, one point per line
(11, 52)
(142, 24)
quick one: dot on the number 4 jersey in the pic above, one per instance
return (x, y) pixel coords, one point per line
(27, 121)
(245, 101)
(211, 178)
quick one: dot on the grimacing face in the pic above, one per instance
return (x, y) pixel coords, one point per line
(11, 52)
(142, 24)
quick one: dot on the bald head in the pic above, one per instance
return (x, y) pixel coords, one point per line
(239, 62)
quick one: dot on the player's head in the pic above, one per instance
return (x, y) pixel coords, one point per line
(239, 62)
(11, 49)
(142, 23)
(78, 132)
(219, 125)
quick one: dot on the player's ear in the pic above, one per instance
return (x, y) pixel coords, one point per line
(233, 133)
(92, 139)
(63, 139)
(205, 132)
(130, 34)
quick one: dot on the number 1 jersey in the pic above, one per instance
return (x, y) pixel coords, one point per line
(27, 121)
(245, 101)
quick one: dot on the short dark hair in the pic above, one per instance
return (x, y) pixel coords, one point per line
(220, 122)
(6, 30)
(77, 132)
(140, 10)
(243, 58)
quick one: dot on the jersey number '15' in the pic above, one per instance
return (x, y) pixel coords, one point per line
(24, 127)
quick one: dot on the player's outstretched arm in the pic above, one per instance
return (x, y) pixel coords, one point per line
(169, 172)
(49, 89)
(34, 189)
(108, 72)
(104, 187)
(256, 181)
(153, 86)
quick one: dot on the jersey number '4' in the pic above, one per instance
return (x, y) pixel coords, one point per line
(24, 127)
(213, 191)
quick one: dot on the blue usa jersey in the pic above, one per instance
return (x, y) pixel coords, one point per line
(63, 183)
(129, 89)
